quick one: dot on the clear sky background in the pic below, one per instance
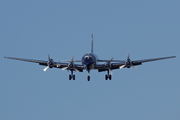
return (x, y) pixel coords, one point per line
(144, 28)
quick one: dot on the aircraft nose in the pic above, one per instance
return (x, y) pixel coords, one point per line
(87, 66)
(87, 63)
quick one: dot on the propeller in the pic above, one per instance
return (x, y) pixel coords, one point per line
(50, 63)
(108, 65)
(128, 63)
(71, 66)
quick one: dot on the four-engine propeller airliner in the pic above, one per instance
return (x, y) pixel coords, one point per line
(90, 61)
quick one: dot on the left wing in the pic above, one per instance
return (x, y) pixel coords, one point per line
(153, 59)
(126, 63)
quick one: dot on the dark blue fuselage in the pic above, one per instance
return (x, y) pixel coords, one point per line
(89, 61)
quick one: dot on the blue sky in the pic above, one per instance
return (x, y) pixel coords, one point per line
(145, 29)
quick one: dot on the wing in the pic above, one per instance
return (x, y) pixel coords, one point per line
(70, 61)
(111, 60)
(45, 63)
(153, 59)
(41, 62)
(101, 67)
(29, 60)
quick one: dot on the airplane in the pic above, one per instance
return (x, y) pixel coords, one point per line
(89, 62)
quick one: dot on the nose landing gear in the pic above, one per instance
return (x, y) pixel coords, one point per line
(88, 77)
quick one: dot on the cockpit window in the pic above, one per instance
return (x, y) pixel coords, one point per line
(86, 57)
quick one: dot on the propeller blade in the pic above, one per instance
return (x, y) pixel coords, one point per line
(45, 68)
(72, 59)
(48, 56)
(111, 59)
(122, 66)
(128, 56)
(76, 70)
(65, 68)
(92, 36)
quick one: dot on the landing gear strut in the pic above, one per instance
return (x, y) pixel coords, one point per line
(71, 76)
(108, 76)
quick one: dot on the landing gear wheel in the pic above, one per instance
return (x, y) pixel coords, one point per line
(106, 77)
(88, 78)
(73, 77)
(70, 77)
(110, 77)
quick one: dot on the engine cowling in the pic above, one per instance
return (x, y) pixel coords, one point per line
(51, 63)
(71, 66)
(107, 65)
(129, 63)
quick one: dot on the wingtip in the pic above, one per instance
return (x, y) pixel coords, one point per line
(172, 56)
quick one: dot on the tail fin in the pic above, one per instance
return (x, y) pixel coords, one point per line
(92, 44)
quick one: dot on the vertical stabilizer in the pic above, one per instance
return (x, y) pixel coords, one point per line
(92, 44)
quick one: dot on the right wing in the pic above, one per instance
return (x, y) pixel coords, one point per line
(45, 63)
(41, 62)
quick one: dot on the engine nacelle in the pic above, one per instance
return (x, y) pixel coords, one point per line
(51, 63)
(128, 63)
(71, 66)
(136, 63)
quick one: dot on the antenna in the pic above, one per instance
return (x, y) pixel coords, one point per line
(92, 43)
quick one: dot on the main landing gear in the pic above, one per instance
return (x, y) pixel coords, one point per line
(108, 76)
(71, 76)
